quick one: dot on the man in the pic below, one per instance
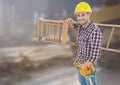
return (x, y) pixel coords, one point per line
(89, 41)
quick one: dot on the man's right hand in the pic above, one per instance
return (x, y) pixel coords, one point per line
(70, 21)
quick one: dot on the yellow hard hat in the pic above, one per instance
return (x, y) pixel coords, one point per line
(83, 7)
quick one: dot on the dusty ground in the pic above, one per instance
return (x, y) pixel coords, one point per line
(57, 71)
(13, 73)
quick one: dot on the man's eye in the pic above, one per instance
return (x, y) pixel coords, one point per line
(83, 14)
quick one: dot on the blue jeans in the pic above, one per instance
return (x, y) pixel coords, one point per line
(85, 81)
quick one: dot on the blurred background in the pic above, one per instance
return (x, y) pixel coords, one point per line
(25, 61)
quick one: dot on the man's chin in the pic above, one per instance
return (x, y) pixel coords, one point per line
(82, 23)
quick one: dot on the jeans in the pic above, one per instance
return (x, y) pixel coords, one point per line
(85, 81)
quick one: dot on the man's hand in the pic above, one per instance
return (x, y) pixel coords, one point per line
(70, 21)
(87, 68)
(87, 63)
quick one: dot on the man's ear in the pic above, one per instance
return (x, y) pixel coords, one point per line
(89, 14)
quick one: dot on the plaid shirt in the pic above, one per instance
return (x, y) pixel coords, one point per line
(89, 44)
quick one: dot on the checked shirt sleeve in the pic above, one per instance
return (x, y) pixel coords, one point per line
(95, 45)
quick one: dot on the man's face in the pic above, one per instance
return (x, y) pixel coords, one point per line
(83, 18)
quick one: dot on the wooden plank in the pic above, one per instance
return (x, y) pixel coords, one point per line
(108, 25)
(54, 24)
(64, 33)
(110, 37)
(52, 21)
(47, 31)
(54, 32)
(40, 29)
(60, 32)
(112, 50)
(105, 25)
(77, 36)
(52, 41)
(57, 34)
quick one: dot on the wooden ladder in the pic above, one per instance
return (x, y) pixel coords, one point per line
(57, 31)
(54, 31)
(113, 27)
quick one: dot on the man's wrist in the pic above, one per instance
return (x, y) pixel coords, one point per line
(88, 62)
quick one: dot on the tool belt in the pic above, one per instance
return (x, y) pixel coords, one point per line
(84, 71)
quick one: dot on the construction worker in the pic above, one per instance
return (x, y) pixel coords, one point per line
(89, 41)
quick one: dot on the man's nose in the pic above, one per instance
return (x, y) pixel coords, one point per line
(79, 18)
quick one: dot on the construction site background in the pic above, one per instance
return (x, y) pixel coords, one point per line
(25, 61)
